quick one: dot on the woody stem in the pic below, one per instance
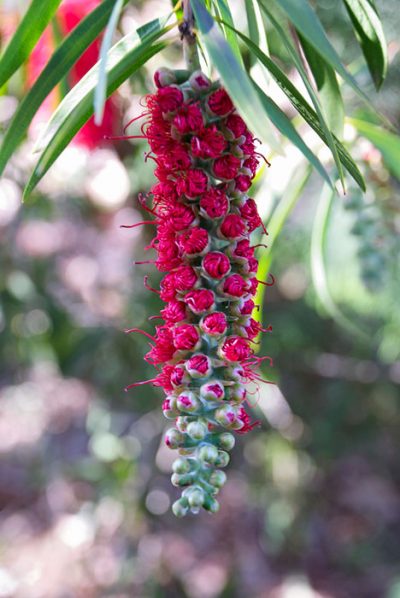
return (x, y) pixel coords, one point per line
(189, 38)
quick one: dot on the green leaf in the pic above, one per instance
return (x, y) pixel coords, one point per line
(305, 19)
(100, 91)
(318, 268)
(235, 79)
(55, 70)
(369, 31)
(257, 34)
(328, 87)
(283, 124)
(275, 224)
(314, 98)
(225, 13)
(256, 26)
(304, 109)
(34, 22)
(387, 143)
(126, 57)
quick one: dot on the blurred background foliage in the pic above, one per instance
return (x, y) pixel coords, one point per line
(312, 504)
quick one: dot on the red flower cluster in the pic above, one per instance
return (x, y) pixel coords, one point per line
(205, 160)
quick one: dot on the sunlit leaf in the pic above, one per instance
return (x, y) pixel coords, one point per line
(126, 57)
(274, 225)
(318, 266)
(328, 87)
(225, 13)
(34, 22)
(368, 28)
(284, 125)
(314, 98)
(304, 109)
(387, 143)
(100, 91)
(58, 66)
(306, 21)
(235, 79)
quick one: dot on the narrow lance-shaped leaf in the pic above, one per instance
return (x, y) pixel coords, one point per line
(305, 19)
(328, 87)
(55, 70)
(310, 89)
(141, 38)
(318, 268)
(235, 79)
(304, 109)
(258, 35)
(275, 224)
(387, 143)
(284, 125)
(34, 22)
(369, 31)
(124, 59)
(100, 91)
(225, 13)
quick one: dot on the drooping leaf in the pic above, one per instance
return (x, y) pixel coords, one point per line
(318, 266)
(306, 21)
(235, 79)
(274, 225)
(284, 125)
(304, 109)
(314, 98)
(258, 35)
(369, 31)
(225, 13)
(126, 57)
(328, 87)
(387, 143)
(34, 22)
(135, 42)
(55, 70)
(100, 91)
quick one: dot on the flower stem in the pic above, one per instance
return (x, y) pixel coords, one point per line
(189, 38)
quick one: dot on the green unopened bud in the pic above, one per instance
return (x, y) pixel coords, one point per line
(226, 441)
(182, 423)
(187, 402)
(208, 453)
(173, 438)
(197, 430)
(181, 465)
(184, 479)
(210, 504)
(227, 417)
(164, 77)
(180, 507)
(196, 498)
(218, 478)
(199, 81)
(223, 459)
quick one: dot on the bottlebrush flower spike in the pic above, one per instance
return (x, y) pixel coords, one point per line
(205, 161)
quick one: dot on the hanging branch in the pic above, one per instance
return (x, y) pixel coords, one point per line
(188, 38)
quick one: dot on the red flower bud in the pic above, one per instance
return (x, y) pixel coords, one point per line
(216, 264)
(234, 348)
(200, 301)
(226, 168)
(169, 98)
(214, 324)
(214, 204)
(193, 241)
(235, 286)
(233, 227)
(220, 103)
(186, 337)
